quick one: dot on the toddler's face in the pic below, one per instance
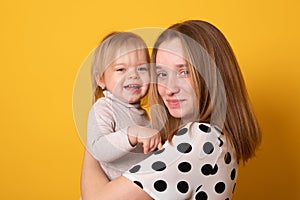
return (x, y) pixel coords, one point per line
(128, 77)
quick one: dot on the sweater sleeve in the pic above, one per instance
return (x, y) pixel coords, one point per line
(104, 142)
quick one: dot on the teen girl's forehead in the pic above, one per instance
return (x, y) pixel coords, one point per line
(171, 53)
(169, 59)
(173, 46)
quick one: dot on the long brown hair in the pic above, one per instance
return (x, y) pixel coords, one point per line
(218, 84)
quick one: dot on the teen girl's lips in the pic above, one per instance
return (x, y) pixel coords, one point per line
(174, 102)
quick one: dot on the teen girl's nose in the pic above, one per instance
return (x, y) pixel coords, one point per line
(172, 86)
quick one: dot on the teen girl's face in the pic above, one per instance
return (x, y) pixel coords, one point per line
(174, 80)
(128, 77)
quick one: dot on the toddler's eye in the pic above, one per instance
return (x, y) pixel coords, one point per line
(143, 68)
(120, 69)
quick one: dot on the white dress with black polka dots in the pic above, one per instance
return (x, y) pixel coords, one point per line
(198, 164)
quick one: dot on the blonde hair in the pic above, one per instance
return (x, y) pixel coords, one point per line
(218, 83)
(111, 48)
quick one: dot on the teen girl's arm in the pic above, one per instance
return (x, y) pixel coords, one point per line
(92, 177)
(121, 189)
(95, 185)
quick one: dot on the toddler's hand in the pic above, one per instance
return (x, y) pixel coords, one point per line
(150, 138)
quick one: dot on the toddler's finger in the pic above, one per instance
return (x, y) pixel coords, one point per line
(160, 146)
(152, 144)
(146, 148)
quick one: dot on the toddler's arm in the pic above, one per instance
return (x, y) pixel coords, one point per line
(103, 141)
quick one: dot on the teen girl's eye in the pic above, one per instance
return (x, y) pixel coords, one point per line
(161, 74)
(183, 73)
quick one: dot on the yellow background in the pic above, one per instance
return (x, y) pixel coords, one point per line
(43, 44)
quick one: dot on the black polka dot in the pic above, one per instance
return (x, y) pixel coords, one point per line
(139, 184)
(233, 187)
(214, 170)
(227, 158)
(184, 147)
(184, 167)
(219, 130)
(182, 132)
(159, 151)
(208, 148)
(135, 169)
(183, 187)
(233, 174)
(221, 142)
(201, 196)
(198, 188)
(220, 187)
(160, 185)
(207, 169)
(204, 128)
(159, 166)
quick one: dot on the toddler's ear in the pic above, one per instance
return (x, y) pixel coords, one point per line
(100, 82)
